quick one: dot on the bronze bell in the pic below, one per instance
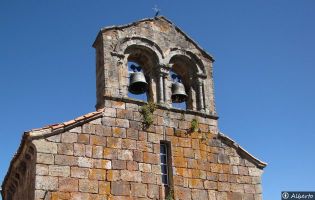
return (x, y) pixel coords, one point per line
(138, 84)
(178, 93)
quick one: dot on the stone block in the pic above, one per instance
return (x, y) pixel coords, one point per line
(249, 188)
(90, 186)
(46, 183)
(42, 169)
(60, 195)
(97, 140)
(132, 165)
(199, 194)
(104, 187)
(182, 193)
(110, 112)
(113, 175)
(120, 188)
(44, 158)
(242, 170)
(196, 183)
(234, 196)
(253, 171)
(78, 149)
(97, 152)
(110, 153)
(97, 174)
(211, 185)
(151, 158)
(88, 128)
(123, 123)
(132, 134)
(148, 178)
(114, 143)
(138, 156)
(108, 121)
(125, 114)
(129, 144)
(125, 155)
(43, 146)
(153, 191)
(84, 138)
(68, 184)
(154, 138)
(134, 176)
(56, 170)
(88, 151)
(223, 186)
(65, 149)
(85, 162)
(184, 142)
(66, 160)
(78, 172)
(119, 164)
(69, 137)
(119, 132)
(180, 162)
(104, 131)
(138, 190)
(76, 130)
(54, 138)
(223, 158)
(144, 167)
(102, 164)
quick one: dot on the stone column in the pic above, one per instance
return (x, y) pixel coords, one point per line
(163, 72)
(200, 94)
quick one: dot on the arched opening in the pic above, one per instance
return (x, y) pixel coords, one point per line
(140, 62)
(186, 71)
(178, 101)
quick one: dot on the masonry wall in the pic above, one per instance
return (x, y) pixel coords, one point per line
(114, 158)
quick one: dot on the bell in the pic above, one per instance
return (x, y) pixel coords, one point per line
(138, 84)
(178, 93)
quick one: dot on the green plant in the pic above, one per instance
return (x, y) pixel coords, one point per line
(147, 113)
(194, 125)
(169, 195)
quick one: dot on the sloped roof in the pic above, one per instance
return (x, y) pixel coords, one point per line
(205, 53)
(228, 141)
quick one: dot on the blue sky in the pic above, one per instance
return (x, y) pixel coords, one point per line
(264, 72)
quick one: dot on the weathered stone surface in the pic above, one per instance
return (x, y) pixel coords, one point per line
(120, 188)
(68, 184)
(56, 170)
(90, 186)
(42, 146)
(46, 183)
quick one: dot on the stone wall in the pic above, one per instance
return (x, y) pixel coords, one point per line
(113, 157)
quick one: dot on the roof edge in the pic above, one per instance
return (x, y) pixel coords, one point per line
(47, 131)
(106, 28)
(260, 164)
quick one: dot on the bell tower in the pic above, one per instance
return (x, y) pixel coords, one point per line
(167, 67)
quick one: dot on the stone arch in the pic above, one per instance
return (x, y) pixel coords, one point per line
(122, 45)
(198, 64)
(144, 52)
(190, 67)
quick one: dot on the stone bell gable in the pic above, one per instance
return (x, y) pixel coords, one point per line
(159, 46)
(133, 149)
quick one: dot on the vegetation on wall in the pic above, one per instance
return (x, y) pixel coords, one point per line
(147, 113)
(194, 125)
